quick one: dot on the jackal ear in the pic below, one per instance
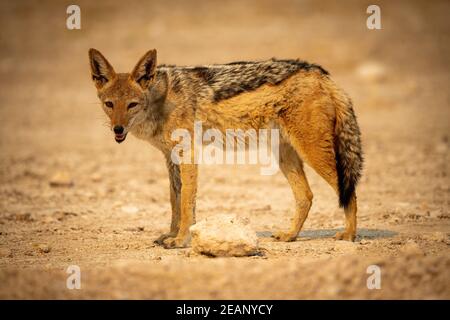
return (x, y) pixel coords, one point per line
(145, 70)
(101, 69)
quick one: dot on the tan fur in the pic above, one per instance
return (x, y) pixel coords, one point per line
(310, 110)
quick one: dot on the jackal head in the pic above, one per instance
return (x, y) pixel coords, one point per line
(124, 96)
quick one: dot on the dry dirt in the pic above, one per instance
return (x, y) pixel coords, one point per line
(105, 221)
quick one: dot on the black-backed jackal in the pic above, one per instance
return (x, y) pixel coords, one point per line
(315, 117)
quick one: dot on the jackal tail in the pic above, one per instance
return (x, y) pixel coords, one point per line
(347, 144)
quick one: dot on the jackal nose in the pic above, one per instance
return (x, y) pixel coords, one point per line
(118, 129)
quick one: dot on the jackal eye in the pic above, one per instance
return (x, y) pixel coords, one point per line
(109, 104)
(132, 105)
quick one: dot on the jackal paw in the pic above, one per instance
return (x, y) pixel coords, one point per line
(284, 236)
(349, 236)
(175, 242)
(161, 238)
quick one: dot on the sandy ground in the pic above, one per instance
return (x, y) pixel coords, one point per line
(106, 222)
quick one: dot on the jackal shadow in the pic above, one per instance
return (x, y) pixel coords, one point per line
(329, 233)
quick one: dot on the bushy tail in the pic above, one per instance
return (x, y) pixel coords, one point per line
(347, 144)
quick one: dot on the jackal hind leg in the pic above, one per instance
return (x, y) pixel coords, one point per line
(322, 160)
(349, 233)
(292, 168)
(317, 149)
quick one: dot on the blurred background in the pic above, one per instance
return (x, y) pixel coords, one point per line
(69, 193)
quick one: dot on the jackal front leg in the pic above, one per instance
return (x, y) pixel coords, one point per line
(175, 196)
(188, 176)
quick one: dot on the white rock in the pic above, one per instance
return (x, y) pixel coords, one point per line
(436, 236)
(61, 179)
(224, 235)
(43, 248)
(96, 177)
(364, 242)
(130, 209)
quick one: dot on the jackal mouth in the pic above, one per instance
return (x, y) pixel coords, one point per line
(120, 137)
